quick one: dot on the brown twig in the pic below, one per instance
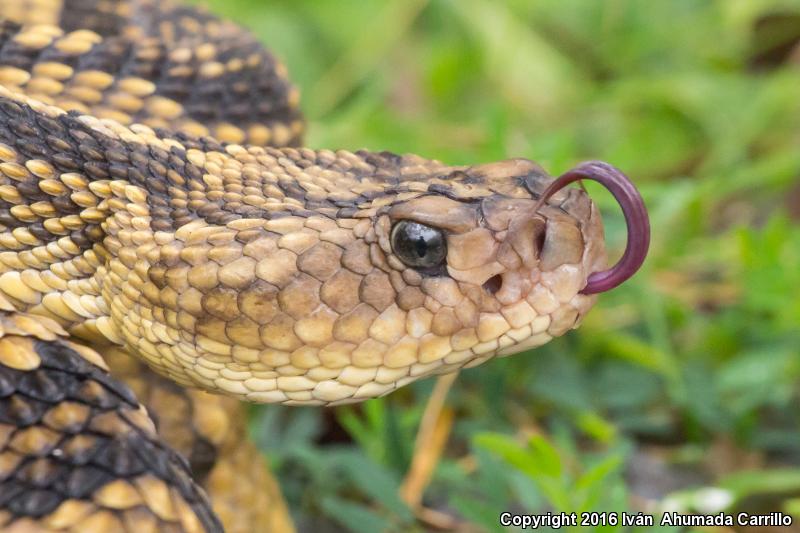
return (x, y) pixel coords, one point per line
(434, 430)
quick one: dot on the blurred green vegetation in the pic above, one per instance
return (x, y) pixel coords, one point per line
(682, 384)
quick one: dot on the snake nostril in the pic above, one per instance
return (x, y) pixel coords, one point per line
(539, 239)
(493, 284)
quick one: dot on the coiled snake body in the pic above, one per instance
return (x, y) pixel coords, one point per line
(154, 202)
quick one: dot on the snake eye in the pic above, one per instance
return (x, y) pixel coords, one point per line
(418, 245)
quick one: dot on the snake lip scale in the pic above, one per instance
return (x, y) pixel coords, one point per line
(164, 232)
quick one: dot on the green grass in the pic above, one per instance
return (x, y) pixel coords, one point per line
(692, 367)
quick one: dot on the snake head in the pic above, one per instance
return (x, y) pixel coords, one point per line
(352, 274)
(500, 258)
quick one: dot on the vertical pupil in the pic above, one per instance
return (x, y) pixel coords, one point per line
(421, 246)
(417, 245)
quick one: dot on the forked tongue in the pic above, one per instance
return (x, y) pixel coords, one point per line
(636, 220)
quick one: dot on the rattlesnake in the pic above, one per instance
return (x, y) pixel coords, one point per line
(156, 201)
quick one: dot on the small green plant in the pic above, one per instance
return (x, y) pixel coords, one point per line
(566, 485)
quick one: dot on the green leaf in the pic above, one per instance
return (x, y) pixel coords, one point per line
(762, 482)
(376, 482)
(539, 461)
(598, 473)
(545, 456)
(594, 482)
(509, 450)
(356, 517)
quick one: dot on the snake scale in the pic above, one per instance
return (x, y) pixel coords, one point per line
(164, 233)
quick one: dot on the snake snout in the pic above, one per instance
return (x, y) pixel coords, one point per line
(527, 243)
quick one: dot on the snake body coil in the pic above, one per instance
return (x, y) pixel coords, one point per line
(154, 201)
